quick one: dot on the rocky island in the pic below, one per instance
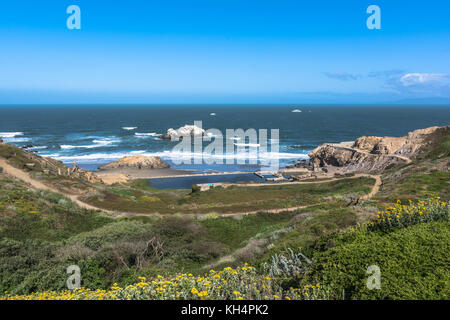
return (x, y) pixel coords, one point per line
(139, 162)
(136, 167)
(187, 130)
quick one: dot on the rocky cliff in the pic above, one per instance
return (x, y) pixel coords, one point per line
(140, 162)
(369, 153)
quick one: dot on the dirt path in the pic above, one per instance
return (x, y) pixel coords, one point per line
(21, 175)
(349, 146)
(265, 184)
(404, 158)
(277, 210)
(375, 188)
(373, 191)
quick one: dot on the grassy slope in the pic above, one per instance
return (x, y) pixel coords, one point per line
(20, 159)
(426, 176)
(139, 198)
(36, 248)
(423, 248)
(43, 233)
(33, 214)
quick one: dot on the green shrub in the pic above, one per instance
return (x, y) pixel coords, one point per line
(107, 234)
(413, 262)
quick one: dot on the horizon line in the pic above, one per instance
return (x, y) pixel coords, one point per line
(393, 104)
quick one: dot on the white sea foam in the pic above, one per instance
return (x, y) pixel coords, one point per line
(129, 128)
(38, 148)
(169, 155)
(146, 134)
(98, 143)
(296, 110)
(10, 134)
(105, 141)
(12, 140)
(68, 146)
(253, 145)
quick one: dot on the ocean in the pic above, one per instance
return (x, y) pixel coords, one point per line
(95, 135)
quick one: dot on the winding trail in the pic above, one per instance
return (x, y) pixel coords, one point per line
(345, 146)
(373, 192)
(25, 177)
(265, 184)
(21, 175)
(404, 158)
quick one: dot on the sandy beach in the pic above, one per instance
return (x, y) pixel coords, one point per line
(124, 174)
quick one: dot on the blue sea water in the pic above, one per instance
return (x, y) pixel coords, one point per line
(95, 135)
(187, 182)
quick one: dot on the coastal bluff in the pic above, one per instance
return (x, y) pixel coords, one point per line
(139, 162)
(370, 153)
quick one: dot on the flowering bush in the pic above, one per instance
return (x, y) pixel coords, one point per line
(401, 216)
(241, 283)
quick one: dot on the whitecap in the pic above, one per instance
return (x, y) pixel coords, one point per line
(146, 134)
(105, 141)
(68, 146)
(129, 128)
(97, 144)
(177, 155)
(12, 140)
(296, 110)
(247, 144)
(10, 134)
(38, 148)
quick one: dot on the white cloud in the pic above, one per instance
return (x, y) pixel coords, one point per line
(343, 76)
(411, 79)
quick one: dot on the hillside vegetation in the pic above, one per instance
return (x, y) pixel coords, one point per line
(321, 250)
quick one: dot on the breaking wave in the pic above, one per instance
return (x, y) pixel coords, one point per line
(10, 134)
(176, 155)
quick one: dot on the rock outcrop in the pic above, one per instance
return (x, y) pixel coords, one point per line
(139, 162)
(369, 153)
(350, 159)
(187, 130)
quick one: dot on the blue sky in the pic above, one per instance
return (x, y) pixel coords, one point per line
(224, 52)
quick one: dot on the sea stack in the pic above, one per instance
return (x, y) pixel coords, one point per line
(187, 130)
